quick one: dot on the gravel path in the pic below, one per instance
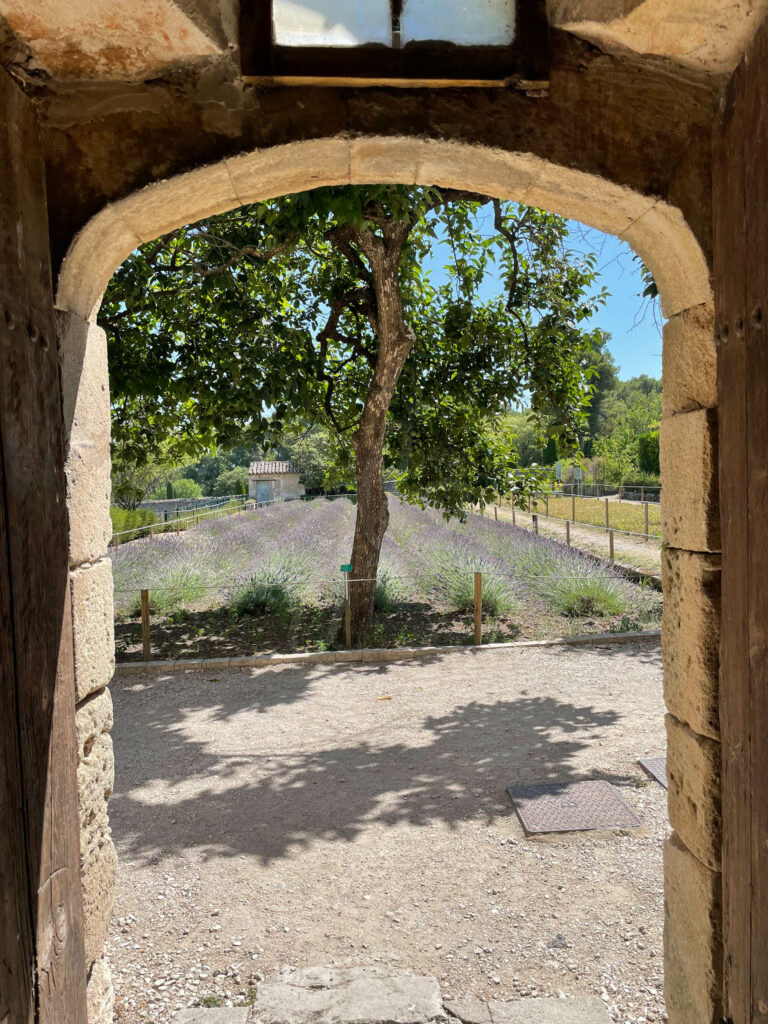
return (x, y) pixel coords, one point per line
(358, 816)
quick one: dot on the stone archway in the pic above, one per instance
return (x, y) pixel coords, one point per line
(690, 523)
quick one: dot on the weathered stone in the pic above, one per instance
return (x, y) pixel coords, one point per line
(95, 782)
(470, 1011)
(98, 872)
(690, 513)
(384, 161)
(665, 242)
(692, 937)
(477, 168)
(95, 254)
(212, 1015)
(162, 207)
(690, 638)
(582, 1010)
(588, 198)
(100, 994)
(358, 995)
(93, 629)
(93, 716)
(85, 398)
(266, 173)
(693, 772)
(690, 361)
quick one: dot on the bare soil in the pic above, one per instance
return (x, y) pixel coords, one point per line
(358, 816)
(218, 633)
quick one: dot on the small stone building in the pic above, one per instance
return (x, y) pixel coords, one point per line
(274, 481)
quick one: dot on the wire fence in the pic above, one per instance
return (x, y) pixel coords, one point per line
(229, 506)
(602, 513)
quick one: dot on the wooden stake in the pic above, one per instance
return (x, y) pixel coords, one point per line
(607, 515)
(610, 545)
(496, 513)
(535, 520)
(145, 624)
(478, 608)
(347, 611)
(546, 505)
(567, 533)
(573, 508)
(513, 515)
(151, 532)
(646, 521)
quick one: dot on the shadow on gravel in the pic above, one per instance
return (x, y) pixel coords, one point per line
(270, 805)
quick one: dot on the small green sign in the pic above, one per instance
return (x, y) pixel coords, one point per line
(346, 568)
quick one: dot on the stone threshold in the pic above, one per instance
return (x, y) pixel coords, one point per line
(383, 995)
(374, 654)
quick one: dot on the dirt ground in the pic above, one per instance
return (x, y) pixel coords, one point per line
(358, 816)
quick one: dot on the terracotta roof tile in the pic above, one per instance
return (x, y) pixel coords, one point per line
(268, 468)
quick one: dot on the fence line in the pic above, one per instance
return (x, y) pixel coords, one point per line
(577, 522)
(169, 526)
(477, 609)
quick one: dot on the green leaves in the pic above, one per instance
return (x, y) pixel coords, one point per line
(237, 326)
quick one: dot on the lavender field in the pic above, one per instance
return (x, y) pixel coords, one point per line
(269, 580)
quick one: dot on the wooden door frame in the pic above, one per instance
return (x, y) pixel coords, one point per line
(42, 959)
(740, 208)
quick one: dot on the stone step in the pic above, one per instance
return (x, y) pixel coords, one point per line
(580, 1010)
(213, 1015)
(383, 995)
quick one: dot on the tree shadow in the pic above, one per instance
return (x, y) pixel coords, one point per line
(268, 805)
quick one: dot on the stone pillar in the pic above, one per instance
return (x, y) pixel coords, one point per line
(85, 389)
(691, 644)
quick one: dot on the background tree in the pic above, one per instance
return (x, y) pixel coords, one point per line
(318, 305)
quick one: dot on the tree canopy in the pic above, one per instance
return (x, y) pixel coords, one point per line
(321, 308)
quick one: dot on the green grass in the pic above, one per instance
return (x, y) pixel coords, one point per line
(622, 515)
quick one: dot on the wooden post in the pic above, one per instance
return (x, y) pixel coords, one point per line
(546, 505)
(514, 523)
(347, 610)
(645, 509)
(151, 533)
(567, 533)
(478, 608)
(145, 625)
(573, 508)
(535, 520)
(610, 546)
(642, 494)
(496, 513)
(607, 515)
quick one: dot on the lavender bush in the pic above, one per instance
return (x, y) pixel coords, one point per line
(275, 559)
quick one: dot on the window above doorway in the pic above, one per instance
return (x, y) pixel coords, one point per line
(395, 42)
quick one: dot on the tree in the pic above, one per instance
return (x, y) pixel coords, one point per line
(319, 306)
(232, 481)
(180, 487)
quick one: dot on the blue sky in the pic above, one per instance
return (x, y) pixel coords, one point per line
(633, 323)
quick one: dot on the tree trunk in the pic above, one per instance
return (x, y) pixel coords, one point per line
(395, 342)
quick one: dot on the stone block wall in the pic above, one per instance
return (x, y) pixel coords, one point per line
(691, 644)
(83, 357)
(689, 463)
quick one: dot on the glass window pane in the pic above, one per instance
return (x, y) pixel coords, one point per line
(466, 22)
(331, 22)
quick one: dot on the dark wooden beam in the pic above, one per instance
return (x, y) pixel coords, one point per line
(42, 968)
(740, 188)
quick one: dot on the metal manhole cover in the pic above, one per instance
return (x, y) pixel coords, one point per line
(570, 807)
(656, 768)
